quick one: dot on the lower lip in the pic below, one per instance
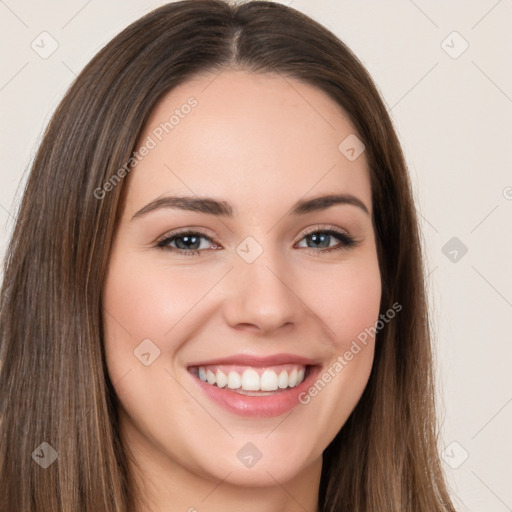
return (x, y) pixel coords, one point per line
(258, 406)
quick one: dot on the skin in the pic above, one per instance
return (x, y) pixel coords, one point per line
(260, 142)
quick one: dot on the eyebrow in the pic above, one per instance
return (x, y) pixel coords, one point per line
(211, 206)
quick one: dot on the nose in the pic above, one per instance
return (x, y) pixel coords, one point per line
(261, 295)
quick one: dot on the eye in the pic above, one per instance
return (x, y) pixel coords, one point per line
(189, 243)
(324, 237)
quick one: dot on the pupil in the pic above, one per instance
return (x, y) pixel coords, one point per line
(315, 237)
(186, 241)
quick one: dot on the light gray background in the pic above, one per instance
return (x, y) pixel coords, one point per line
(454, 118)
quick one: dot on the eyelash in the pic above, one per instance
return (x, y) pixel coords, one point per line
(346, 241)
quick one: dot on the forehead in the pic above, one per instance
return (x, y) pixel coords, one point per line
(260, 140)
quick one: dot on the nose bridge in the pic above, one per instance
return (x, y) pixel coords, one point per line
(262, 292)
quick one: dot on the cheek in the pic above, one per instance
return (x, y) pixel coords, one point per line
(349, 310)
(347, 301)
(146, 300)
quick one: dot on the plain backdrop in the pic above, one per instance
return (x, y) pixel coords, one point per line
(444, 70)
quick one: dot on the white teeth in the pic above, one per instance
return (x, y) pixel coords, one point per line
(292, 378)
(283, 380)
(234, 380)
(210, 377)
(269, 381)
(222, 380)
(250, 380)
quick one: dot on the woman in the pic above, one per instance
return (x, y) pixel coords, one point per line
(219, 252)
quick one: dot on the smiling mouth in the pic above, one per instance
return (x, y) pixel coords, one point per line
(252, 381)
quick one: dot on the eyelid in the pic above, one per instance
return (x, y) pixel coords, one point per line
(324, 227)
(184, 231)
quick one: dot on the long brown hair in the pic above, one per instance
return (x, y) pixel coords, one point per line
(54, 386)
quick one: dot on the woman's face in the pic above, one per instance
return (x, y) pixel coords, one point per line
(261, 294)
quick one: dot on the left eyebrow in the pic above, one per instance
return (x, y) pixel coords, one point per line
(323, 202)
(211, 206)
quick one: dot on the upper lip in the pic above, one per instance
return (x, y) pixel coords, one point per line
(257, 361)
